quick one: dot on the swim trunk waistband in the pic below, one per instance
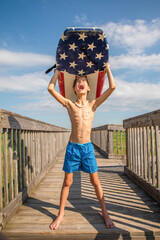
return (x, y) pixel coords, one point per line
(80, 144)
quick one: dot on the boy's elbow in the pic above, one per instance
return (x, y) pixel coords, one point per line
(50, 88)
(113, 87)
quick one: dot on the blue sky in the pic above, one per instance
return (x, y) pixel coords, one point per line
(29, 34)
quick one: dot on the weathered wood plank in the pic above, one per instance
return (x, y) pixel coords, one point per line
(153, 157)
(22, 159)
(29, 156)
(145, 153)
(138, 152)
(1, 195)
(5, 166)
(117, 141)
(19, 159)
(10, 169)
(26, 157)
(148, 155)
(141, 152)
(157, 140)
(15, 165)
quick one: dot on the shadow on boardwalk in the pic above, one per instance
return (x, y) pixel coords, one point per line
(135, 214)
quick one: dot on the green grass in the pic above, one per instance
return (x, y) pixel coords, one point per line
(119, 143)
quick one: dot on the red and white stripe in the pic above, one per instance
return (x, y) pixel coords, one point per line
(96, 81)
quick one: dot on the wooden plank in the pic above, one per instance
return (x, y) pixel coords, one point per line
(135, 150)
(130, 149)
(141, 153)
(19, 159)
(145, 153)
(152, 156)
(39, 152)
(144, 120)
(26, 157)
(1, 195)
(5, 166)
(10, 161)
(33, 154)
(121, 142)
(117, 141)
(29, 156)
(138, 151)
(110, 142)
(22, 159)
(15, 165)
(148, 155)
(157, 142)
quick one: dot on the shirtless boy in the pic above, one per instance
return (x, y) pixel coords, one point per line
(80, 151)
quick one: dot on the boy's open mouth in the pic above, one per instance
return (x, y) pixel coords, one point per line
(81, 87)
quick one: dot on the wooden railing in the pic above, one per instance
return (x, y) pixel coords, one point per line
(110, 140)
(143, 151)
(28, 150)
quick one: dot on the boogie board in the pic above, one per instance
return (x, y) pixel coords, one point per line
(82, 51)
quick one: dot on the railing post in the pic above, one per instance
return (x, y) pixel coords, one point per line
(110, 142)
(1, 196)
(157, 138)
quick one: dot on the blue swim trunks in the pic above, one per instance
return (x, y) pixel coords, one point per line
(80, 157)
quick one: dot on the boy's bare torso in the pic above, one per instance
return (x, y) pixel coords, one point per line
(81, 121)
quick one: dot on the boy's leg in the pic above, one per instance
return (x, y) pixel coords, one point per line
(63, 198)
(99, 192)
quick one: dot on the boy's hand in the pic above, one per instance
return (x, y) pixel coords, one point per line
(107, 68)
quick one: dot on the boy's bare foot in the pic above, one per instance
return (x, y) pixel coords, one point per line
(108, 221)
(55, 224)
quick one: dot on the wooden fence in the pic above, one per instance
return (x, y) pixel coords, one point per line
(110, 140)
(143, 151)
(28, 150)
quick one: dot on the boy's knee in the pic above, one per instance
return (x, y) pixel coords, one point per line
(68, 182)
(95, 182)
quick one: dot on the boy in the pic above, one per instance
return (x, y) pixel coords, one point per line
(80, 151)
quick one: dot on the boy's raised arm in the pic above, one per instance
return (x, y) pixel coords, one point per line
(54, 93)
(111, 88)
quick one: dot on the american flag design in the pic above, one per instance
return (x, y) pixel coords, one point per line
(82, 51)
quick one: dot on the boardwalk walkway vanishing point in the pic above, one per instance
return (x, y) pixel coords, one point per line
(135, 214)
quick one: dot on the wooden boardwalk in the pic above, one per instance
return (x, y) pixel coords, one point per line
(135, 214)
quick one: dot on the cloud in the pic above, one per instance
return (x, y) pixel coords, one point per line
(81, 18)
(23, 59)
(132, 96)
(31, 82)
(133, 36)
(136, 61)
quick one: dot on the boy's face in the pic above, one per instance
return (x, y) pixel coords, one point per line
(81, 86)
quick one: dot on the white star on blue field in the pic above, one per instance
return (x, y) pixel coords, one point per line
(82, 53)
(31, 31)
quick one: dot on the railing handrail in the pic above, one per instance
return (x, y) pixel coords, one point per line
(143, 120)
(109, 127)
(17, 121)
